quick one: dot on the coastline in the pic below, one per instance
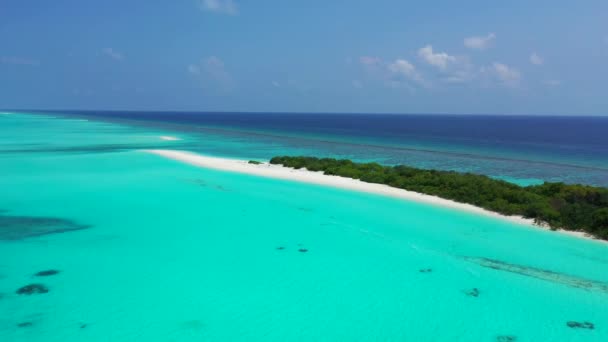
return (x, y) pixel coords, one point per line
(268, 170)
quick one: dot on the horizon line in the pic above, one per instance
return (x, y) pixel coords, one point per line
(294, 112)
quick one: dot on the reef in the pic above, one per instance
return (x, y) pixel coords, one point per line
(474, 292)
(302, 250)
(23, 227)
(47, 273)
(555, 277)
(25, 324)
(581, 325)
(425, 270)
(32, 289)
(506, 338)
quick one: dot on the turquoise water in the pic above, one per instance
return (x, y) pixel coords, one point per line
(150, 249)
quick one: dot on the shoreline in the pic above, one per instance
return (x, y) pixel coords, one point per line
(268, 170)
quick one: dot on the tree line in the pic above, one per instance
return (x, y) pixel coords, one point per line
(561, 206)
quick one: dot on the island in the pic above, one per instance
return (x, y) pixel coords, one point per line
(570, 207)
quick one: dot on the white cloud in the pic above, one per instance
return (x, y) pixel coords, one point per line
(212, 68)
(439, 59)
(404, 69)
(219, 6)
(479, 42)
(115, 55)
(460, 76)
(536, 59)
(18, 61)
(505, 74)
(396, 74)
(402, 66)
(454, 69)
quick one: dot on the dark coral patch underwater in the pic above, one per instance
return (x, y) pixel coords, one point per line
(474, 292)
(32, 289)
(47, 273)
(581, 325)
(23, 227)
(538, 273)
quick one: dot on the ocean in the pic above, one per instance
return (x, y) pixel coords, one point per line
(151, 249)
(522, 149)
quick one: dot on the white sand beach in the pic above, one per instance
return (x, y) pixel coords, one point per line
(303, 175)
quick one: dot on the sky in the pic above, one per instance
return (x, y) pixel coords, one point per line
(383, 56)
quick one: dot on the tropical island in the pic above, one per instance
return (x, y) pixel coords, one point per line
(575, 207)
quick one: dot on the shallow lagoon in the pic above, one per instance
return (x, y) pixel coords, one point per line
(172, 252)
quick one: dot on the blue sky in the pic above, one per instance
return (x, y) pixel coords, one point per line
(511, 57)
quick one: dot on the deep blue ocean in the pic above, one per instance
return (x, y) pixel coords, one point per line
(522, 149)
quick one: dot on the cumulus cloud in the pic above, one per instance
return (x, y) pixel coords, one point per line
(18, 61)
(219, 6)
(505, 74)
(402, 66)
(403, 69)
(463, 75)
(480, 42)
(438, 59)
(115, 55)
(453, 69)
(393, 74)
(536, 59)
(212, 68)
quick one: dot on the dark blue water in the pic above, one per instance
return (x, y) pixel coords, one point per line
(523, 149)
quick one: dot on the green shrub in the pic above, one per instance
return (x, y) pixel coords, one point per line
(572, 207)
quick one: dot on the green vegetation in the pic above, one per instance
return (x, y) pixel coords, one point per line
(570, 207)
(254, 162)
